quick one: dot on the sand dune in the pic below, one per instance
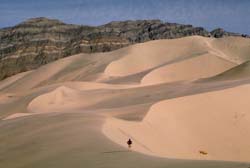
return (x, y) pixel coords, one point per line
(188, 119)
(95, 85)
(239, 72)
(80, 67)
(17, 115)
(206, 65)
(236, 49)
(34, 78)
(5, 98)
(70, 96)
(144, 56)
(8, 81)
(61, 99)
(215, 123)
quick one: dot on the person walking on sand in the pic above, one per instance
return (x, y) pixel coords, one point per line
(129, 142)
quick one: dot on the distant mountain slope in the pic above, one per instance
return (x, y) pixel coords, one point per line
(38, 41)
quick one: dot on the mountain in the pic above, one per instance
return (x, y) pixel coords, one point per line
(38, 41)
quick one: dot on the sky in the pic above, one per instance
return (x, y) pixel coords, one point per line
(232, 15)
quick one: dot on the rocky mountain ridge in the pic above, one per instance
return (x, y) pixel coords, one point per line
(39, 41)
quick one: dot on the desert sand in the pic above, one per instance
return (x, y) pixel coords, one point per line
(202, 66)
(214, 122)
(180, 101)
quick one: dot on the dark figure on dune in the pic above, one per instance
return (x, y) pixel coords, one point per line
(129, 142)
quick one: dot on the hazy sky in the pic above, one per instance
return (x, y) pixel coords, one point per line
(232, 15)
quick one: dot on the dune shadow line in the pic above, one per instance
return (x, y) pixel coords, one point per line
(118, 151)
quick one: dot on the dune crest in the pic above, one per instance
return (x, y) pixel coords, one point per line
(17, 115)
(188, 58)
(154, 53)
(185, 98)
(202, 66)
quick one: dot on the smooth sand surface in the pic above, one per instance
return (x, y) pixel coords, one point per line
(75, 140)
(79, 111)
(214, 122)
(235, 49)
(144, 56)
(5, 98)
(71, 96)
(239, 72)
(62, 98)
(202, 66)
(8, 81)
(32, 79)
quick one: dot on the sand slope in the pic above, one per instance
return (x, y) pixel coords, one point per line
(206, 65)
(239, 72)
(160, 56)
(81, 107)
(235, 49)
(215, 122)
(70, 97)
(144, 56)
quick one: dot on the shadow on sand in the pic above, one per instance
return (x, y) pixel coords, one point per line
(118, 151)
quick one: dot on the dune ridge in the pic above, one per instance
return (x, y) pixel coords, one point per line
(203, 66)
(183, 98)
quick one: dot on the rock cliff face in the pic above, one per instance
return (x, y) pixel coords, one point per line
(219, 32)
(38, 41)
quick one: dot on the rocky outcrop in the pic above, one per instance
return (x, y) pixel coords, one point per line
(38, 41)
(219, 32)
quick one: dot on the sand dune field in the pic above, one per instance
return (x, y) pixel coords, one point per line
(183, 102)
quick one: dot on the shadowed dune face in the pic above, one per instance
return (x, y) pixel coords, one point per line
(154, 93)
(235, 49)
(239, 72)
